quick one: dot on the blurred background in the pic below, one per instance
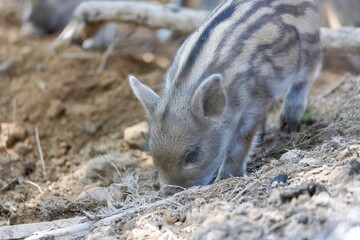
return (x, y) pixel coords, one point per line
(39, 18)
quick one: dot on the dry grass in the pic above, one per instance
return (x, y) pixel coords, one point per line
(249, 205)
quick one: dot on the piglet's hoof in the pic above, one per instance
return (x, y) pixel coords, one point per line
(289, 126)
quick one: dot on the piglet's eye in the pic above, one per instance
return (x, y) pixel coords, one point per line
(192, 156)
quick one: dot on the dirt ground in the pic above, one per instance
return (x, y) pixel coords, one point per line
(304, 185)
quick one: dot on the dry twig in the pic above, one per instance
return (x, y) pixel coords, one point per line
(40, 151)
(34, 184)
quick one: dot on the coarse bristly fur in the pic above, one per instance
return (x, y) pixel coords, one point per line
(222, 84)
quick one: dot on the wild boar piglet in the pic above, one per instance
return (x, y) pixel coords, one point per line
(222, 83)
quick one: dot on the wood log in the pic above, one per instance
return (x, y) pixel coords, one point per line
(180, 20)
(345, 40)
(26, 230)
(89, 16)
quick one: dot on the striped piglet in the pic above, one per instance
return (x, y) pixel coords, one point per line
(222, 84)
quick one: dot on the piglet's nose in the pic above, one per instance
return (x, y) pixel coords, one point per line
(168, 190)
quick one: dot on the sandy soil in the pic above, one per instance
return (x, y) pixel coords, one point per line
(80, 117)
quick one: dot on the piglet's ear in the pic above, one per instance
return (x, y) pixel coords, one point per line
(147, 97)
(209, 100)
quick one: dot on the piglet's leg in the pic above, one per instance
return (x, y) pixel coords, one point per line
(296, 100)
(294, 106)
(241, 142)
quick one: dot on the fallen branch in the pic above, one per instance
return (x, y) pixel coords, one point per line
(71, 232)
(89, 16)
(342, 41)
(68, 228)
(26, 230)
(180, 20)
(81, 226)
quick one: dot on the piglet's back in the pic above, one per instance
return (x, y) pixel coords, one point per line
(249, 39)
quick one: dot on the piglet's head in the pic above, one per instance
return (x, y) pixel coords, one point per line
(185, 131)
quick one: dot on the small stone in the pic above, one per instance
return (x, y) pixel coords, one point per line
(300, 174)
(274, 162)
(11, 133)
(172, 217)
(199, 202)
(101, 195)
(354, 167)
(310, 161)
(106, 167)
(281, 178)
(91, 128)
(135, 136)
(322, 199)
(274, 196)
(6, 66)
(90, 216)
(22, 148)
(293, 155)
(274, 184)
(303, 219)
(55, 110)
(13, 156)
(18, 198)
(41, 85)
(59, 161)
(4, 211)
